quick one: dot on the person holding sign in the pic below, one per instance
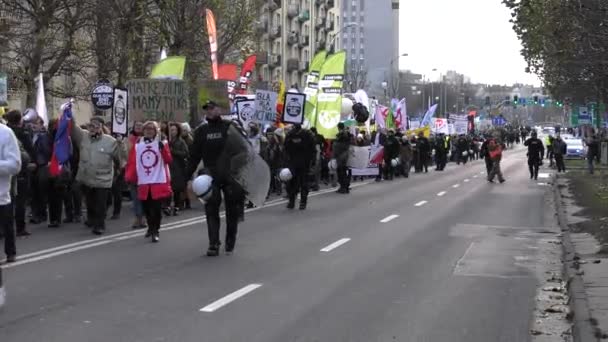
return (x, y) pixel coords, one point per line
(148, 167)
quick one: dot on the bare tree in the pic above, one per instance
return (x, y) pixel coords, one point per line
(44, 37)
(356, 77)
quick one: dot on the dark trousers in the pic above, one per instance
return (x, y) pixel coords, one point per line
(58, 190)
(533, 166)
(20, 201)
(115, 195)
(442, 160)
(489, 165)
(559, 162)
(8, 229)
(423, 163)
(97, 201)
(389, 170)
(298, 184)
(233, 199)
(178, 199)
(73, 201)
(40, 192)
(153, 212)
(343, 176)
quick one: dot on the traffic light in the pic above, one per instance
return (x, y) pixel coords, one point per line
(487, 100)
(535, 99)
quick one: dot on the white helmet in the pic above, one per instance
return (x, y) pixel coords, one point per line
(201, 186)
(285, 175)
(333, 165)
(395, 162)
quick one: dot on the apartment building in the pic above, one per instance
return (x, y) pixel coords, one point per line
(291, 32)
(370, 38)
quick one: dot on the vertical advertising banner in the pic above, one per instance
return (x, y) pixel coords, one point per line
(329, 99)
(212, 31)
(312, 88)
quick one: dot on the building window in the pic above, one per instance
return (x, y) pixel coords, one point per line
(362, 5)
(361, 50)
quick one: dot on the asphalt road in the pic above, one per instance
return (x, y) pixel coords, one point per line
(437, 257)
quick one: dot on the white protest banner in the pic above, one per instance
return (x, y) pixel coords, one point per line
(265, 106)
(414, 124)
(451, 128)
(358, 157)
(440, 126)
(120, 111)
(372, 168)
(245, 110)
(461, 124)
(293, 111)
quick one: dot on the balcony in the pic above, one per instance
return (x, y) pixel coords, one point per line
(330, 3)
(275, 61)
(276, 31)
(274, 4)
(304, 66)
(261, 27)
(304, 16)
(293, 39)
(293, 64)
(293, 11)
(320, 22)
(331, 25)
(261, 59)
(304, 41)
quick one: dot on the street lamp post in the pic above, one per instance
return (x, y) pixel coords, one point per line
(397, 73)
(333, 38)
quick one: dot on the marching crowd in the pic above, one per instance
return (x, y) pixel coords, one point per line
(156, 161)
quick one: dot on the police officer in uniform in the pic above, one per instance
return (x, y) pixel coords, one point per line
(209, 141)
(441, 152)
(536, 151)
(300, 151)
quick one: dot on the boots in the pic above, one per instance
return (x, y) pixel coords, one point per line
(292, 202)
(303, 201)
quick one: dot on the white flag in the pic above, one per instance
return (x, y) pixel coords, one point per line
(41, 101)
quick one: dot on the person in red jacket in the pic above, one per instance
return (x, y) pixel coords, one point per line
(148, 168)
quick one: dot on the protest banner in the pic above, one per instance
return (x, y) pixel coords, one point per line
(265, 107)
(161, 100)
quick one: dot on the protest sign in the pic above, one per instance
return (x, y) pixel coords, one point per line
(161, 100)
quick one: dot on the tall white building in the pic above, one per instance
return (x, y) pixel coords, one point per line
(369, 38)
(290, 34)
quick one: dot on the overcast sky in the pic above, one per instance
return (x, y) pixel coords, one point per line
(473, 37)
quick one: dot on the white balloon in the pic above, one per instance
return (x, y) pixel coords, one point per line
(201, 186)
(285, 175)
(347, 106)
(333, 164)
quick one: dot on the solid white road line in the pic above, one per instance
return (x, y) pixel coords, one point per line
(421, 203)
(230, 298)
(475, 176)
(389, 218)
(441, 194)
(467, 180)
(90, 243)
(544, 175)
(455, 186)
(335, 245)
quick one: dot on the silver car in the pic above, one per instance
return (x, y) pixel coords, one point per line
(576, 149)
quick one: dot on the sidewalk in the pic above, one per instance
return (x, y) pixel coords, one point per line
(584, 201)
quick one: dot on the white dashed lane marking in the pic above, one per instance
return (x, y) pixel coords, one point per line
(421, 203)
(230, 298)
(441, 194)
(389, 218)
(335, 245)
(455, 186)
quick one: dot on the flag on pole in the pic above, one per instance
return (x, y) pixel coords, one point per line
(169, 68)
(428, 116)
(280, 104)
(401, 114)
(380, 115)
(41, 101)
(62, 144)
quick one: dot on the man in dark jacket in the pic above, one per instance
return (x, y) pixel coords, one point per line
(15, 123)
(391, 151)
(441, 153)
(299, 150)
(536, 152)
(43, 149)
(462, 146)
(341, 150)
(560, 148)
(485, 154)
(424, 150)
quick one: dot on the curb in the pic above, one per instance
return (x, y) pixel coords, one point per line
(582, 329)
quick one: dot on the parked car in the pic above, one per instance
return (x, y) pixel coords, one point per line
(576, 149)
(2, 292)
